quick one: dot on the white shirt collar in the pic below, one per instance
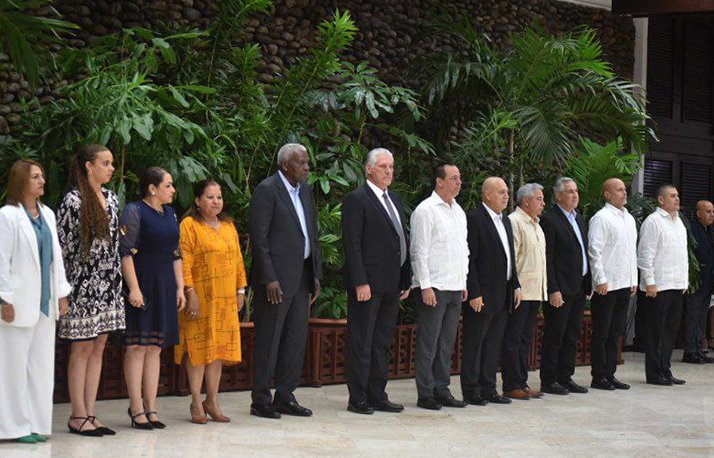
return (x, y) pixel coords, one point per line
(492, 213)
(376, 190)
(662, 212)
(287, 184)
(616, 210)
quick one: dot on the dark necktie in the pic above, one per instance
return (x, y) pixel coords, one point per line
(398, 227)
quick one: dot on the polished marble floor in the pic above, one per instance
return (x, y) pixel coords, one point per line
(646, 421)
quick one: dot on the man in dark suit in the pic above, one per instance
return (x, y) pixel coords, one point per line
(285, 277)
(377, 276)
(493, 293)
(568, 286)
(695, 311)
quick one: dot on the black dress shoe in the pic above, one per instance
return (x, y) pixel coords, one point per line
(428, 403)
(498, 399)
(450, 401)
(554, 388)
(573, 387)
(661, 380)
(675, 380)
(693, 358)
(361, 407)
(705, 357)
(475, 399)
(618, 384)
(264, 410)
(602, 384)
(292, 408)
(387, 406)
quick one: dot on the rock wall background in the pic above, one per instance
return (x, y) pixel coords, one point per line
(391, 32)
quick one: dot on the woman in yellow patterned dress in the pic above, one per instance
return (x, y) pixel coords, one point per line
(214, 282)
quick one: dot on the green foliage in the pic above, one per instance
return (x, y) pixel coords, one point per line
(332, 303)
(24, 36)
(594, 165)
(530, 104)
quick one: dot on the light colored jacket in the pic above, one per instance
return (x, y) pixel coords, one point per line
(20, 266)
(529, 244)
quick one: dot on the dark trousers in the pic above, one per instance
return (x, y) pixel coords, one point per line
(516, 345)
(482, 337)
(695, 319)
(609, 313)
(280, 337)
(664, 314)
(436, 334)
(560, 339)
(370, 330)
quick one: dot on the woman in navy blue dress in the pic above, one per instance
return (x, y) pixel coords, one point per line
(153, 273)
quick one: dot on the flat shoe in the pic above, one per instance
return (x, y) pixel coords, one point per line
(102, 429)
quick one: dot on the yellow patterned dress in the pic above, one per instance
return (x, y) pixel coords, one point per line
(213, 265)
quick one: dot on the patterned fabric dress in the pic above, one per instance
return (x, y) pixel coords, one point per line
(213, 265)
(96, 304)
(151, 238)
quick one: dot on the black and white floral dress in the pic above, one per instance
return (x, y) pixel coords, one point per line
(96, 303)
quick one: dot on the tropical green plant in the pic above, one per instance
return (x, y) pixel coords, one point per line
(24, 36)
(593, 165)
(529, 104)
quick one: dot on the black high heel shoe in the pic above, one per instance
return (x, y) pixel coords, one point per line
(87, 433)
(102, 429)
(155, 423)
(136, 425)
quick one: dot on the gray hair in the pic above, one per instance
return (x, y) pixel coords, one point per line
(527, 190)
(287, 150)
(372, 156)
(561, 182)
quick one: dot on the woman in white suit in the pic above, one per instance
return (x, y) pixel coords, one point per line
(33, 294)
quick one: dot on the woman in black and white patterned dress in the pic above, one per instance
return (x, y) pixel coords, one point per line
(88, 232)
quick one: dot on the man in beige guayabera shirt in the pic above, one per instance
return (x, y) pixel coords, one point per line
(529, 242)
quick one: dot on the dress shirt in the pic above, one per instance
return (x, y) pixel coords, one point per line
(501, 229)
(612, 246)
(379, 193)
(662, 254)
(574, 223)
(439, 245)
(294, 192)
(529, 244)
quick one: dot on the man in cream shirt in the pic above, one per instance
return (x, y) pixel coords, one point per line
(612, 249)
(440, 261)
(529, 245)
(664, 267)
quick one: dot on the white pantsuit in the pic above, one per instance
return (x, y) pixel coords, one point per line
(27, 343)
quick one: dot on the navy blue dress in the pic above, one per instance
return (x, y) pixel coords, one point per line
(152, 239)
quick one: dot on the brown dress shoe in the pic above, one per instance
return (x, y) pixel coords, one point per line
(198, 419)
(532, 392)
(215, 416)
(516, 394)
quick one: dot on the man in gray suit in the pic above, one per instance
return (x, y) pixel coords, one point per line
(285, 276)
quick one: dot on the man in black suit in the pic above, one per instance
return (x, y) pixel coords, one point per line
(493, 293)
(377, 277)
(568, 286)
(285, 277)
(695, 311)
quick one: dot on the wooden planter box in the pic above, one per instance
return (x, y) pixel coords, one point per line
(325, 360)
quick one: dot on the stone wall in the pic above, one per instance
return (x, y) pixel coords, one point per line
(392, 33)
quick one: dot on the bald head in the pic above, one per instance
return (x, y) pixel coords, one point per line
(494, 193)
(705, 212)
(615, 192)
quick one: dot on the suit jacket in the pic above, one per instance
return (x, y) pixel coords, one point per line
(371, 243)
(564, 258)
(276, 237)
(20, 275)
(488, 263)
(705, 254)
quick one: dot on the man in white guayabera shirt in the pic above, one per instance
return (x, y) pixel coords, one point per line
(664, 267)
(612, 249)
(440, 262)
